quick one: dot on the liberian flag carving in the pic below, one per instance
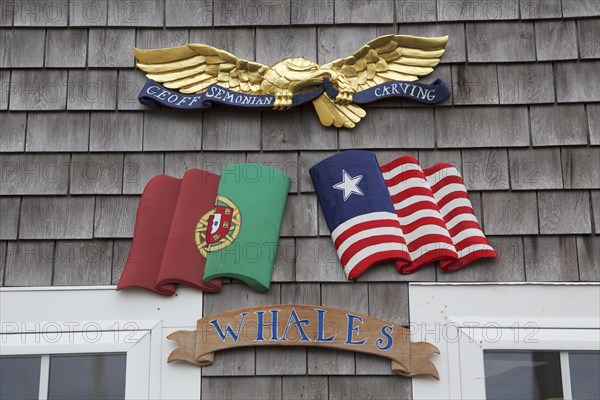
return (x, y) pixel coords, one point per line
(397, 212)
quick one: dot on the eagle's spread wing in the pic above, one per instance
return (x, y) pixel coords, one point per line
(192, 68)
(384, 59)
(391, 57)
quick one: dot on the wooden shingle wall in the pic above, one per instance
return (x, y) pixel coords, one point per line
(523, 125)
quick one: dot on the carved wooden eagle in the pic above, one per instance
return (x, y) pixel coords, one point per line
(193, 68)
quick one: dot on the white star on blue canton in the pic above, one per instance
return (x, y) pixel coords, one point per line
(349, 185)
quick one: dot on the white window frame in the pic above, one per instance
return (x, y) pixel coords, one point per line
(463, 320)
(71, 320)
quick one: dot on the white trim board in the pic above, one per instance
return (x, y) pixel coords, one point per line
(455, 317)
(63, 319)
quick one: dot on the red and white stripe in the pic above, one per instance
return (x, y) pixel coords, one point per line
(424, 229)
(455, 207)
(369, 239)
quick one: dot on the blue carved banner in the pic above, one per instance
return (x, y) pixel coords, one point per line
(154, 94)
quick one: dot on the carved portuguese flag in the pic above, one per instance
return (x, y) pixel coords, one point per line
(197, 229)
(241, 237)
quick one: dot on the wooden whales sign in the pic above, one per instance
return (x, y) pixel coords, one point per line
(304, 325)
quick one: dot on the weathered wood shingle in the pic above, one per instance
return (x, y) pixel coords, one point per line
(92, 90)
(57, 131)
(555, 40)
(160, 38)
(558, 125)
(581, 167)
(189, 13)
(172, 130)
(593, 111)
(364, 11)
(110, 131)
(482, 127)
(13, 132)
(304, 387)
(495, 42)
(475, 84)
(245, 12)
(296, 130)
(139, 168)
(510, 213)
(88, 13)
(550, 258)
(38, 90)
(115, 216)
(564, 212)
(41, 13)
(526, 83)
(231, 130)
(57, 218)
(4, 88)
(535, 169)
(111, 47)
(316, 261)
(573, 83)
(416, 11)
(589, 31)
(135, 12)
(9, 215)
(392, 128)
(374, 387)
(66, 48)
(22, 48)
(596, 209)
(82, 262)
(300, 217)
(580, 8)
(538, 9)
(96, 173)
(485, 169)
(29, 263)
(241, 388)
(588, 256)
(33, 174)
(275, 44)
(311, 11)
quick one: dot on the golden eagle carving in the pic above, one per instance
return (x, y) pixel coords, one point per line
(197, 75)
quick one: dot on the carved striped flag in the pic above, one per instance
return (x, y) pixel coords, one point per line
(398, 212)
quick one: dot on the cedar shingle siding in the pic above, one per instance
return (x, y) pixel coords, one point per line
(523, 126)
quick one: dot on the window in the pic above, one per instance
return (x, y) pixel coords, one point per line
(94, 343)
(65, 376)
(517, 341)
(541, 375)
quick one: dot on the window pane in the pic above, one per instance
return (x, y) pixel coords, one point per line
(90, 376)
(20, 377)
(585, 375)
(522, 375)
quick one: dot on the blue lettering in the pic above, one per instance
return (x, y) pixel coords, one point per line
(261, 325)
(353, 329)
(298, 324)
(321, 327)
(386, 331)
(228, 329)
